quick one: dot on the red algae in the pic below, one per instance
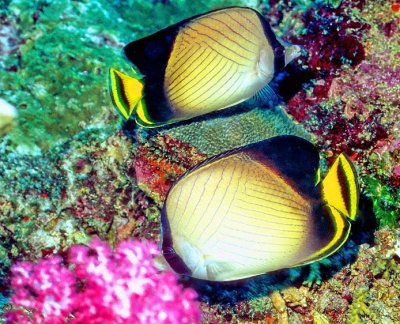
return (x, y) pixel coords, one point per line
(160, 161)
(351, 102)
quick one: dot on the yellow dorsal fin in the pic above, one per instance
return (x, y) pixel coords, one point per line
(340, 187)
(126, 92)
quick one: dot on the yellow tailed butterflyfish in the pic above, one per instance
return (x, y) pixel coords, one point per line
(199, 65)
(258, 209)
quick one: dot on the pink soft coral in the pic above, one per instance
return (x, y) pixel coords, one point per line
(100, 286)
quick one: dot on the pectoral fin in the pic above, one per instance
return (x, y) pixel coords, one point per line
(216, 269)
(265, 97)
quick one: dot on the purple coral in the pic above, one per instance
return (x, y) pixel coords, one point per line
(98, 285)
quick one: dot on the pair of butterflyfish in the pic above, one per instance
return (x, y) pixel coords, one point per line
(202, 64)
(251, 210)
(258, 209)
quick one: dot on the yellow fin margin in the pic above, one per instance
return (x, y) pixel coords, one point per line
(142, 117)
(342, 231)
(340, 187)
(126, 91)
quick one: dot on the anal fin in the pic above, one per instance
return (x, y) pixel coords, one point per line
(265, 97)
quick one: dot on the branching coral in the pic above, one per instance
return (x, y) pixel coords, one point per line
(360, 306)
(98, 285)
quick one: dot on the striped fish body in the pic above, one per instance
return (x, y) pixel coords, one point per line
(203, 64)
(218, 60)
(240, 214)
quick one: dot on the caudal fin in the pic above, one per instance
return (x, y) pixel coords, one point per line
(126, 92)
(340, 187)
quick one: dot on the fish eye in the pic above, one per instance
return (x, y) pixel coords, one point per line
(169, 251)
(279, 51)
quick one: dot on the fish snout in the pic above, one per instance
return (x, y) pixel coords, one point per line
(292, 52)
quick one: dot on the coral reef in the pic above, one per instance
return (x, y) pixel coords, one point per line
(99, 285)
(159, 161)
(351, 104)
(55, 69)
(78, 189)
(363, 291)
(224, 132)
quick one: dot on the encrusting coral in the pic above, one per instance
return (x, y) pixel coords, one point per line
(351, 101)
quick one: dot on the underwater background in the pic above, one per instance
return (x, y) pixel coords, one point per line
(72, 170)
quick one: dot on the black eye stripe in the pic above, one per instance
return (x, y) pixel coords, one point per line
(279, 58)
(168, 252)
(279, 51)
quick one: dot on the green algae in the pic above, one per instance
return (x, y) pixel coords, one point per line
(59, 85)
(333, 3)
(359, 307)
(386, 201)
(150, 16)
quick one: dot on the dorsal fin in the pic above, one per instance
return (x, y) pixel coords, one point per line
(340, 187)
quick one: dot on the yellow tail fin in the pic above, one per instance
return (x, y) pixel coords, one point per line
(126, 91)
(340, 187)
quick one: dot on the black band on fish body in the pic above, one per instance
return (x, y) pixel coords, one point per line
(169, 253)
(279, 59)
(325, 229)
(150, 55)
(175, 261)
(283, 150)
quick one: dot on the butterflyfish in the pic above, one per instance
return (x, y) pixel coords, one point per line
(202, 64)
(258, 209)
